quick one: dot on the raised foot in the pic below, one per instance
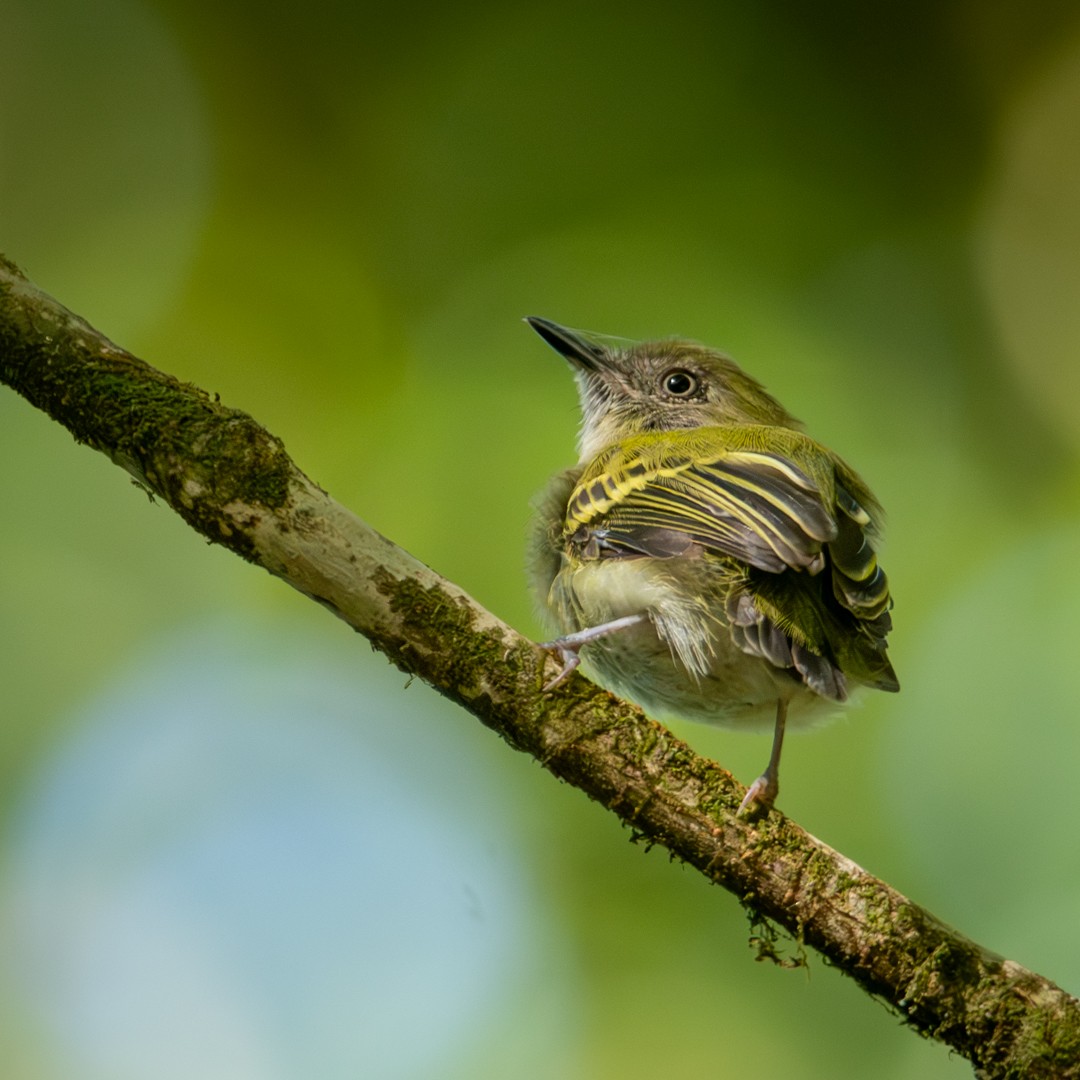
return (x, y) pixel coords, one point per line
(567, 655)
(566, 649)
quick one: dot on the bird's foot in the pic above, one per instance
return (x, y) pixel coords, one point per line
(760, 795)
(566, 649)
(568, 657)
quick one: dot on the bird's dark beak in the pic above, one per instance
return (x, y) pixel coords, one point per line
(570, 343)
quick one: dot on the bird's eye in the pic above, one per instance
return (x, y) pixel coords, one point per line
(679, 383)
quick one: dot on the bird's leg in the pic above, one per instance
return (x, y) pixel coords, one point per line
(766, 787)
(567, 648)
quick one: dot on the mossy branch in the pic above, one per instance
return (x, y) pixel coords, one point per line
(232, 481)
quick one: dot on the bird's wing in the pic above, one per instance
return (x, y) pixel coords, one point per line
(769, 514)
(752, 505)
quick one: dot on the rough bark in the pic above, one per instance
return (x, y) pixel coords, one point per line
(232, 481)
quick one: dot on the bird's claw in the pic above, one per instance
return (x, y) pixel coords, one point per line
(567, 656)
(567, 648)
(760, 795)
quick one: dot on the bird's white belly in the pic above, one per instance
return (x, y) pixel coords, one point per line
(682, 661)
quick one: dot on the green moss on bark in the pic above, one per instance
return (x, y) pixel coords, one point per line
(195, 453)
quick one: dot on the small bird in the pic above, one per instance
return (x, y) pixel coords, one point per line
(705, 558)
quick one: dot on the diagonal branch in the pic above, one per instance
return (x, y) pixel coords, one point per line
(232, 481)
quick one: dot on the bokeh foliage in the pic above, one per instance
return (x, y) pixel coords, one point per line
(336, 215)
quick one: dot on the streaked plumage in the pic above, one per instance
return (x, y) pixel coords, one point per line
(744, 547)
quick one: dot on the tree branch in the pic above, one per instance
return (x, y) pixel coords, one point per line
(232, 481)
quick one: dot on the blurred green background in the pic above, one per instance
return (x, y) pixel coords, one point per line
(233, 845)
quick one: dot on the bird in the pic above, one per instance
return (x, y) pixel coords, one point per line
(705, 558)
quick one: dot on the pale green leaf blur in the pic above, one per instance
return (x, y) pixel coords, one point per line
(232, 843)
